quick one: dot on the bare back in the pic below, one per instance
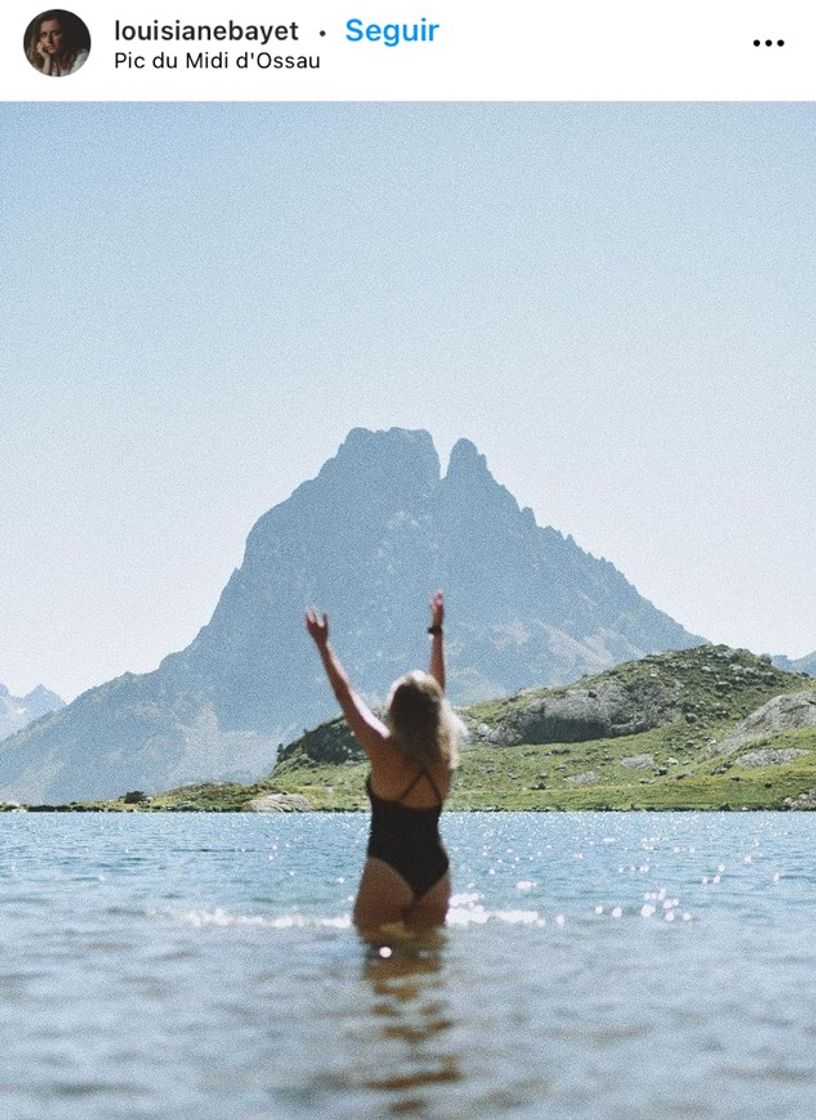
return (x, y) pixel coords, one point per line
(392, 772)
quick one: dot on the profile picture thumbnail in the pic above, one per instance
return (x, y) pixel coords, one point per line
(57, 43)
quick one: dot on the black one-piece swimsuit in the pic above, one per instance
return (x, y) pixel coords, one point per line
(407, 839)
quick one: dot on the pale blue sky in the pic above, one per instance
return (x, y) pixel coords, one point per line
(614, 302)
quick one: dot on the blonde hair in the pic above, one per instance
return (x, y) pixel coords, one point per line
(424, 726)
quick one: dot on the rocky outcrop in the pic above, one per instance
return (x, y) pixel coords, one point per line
(606, 710)
(280, 803)
(770, 757)
(585, 778)
(781, 713)
(699, 684)
(638, 761)
(328, 744)
(805, 800)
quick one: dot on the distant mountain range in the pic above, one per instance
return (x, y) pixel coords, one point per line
(369, 539)
(806, 664)
(17, 712)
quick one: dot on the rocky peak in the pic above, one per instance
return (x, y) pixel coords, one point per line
(466, 461)
(471, 487)
(42, 700)
(398, 456)
(343, 509)
(38, 692)
(17, 712)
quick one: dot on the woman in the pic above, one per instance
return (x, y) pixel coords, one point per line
(405, 877)
(58, 43)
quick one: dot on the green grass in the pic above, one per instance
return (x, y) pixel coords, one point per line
(536, 777)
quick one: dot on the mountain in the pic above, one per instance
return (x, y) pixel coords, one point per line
(806, 664)
(17, 712)
(370, 538)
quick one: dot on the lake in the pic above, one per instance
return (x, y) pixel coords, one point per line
(595, 966)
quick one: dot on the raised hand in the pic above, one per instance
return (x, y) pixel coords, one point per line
(437, 609)
(318, 627)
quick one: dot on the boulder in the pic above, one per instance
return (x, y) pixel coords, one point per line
(280, 803)
(782, 713)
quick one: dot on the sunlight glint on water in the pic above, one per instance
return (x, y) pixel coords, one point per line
(594, 966)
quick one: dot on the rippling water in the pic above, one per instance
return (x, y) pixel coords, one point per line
(595, 966)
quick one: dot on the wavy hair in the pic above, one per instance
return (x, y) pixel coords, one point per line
(423, 725)
(75, 37)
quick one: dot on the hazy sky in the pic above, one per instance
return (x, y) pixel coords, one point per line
(614, 302)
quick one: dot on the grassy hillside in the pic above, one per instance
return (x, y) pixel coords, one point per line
(665, 732)
(688, 704)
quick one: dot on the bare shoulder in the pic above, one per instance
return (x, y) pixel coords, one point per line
(373, 736)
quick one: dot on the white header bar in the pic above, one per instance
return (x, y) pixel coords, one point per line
(439, 50)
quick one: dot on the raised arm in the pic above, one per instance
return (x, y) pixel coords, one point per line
(370, 732)
(436, 668)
